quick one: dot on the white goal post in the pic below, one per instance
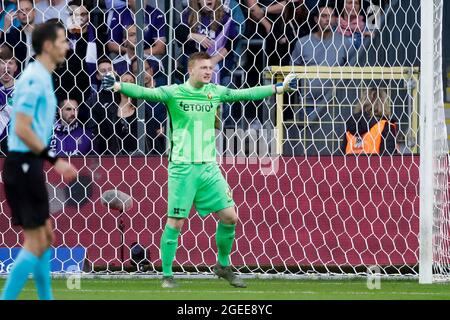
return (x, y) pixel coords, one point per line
(434, 213)
(307, 206)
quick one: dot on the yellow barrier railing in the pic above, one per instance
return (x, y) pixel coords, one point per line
(409, 76)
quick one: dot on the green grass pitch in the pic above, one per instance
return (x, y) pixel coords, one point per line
(258, 289)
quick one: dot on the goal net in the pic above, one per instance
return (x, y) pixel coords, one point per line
(347, 176)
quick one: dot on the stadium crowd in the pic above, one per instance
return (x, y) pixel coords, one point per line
(103, 38)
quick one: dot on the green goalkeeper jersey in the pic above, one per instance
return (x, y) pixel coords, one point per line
(192, 114)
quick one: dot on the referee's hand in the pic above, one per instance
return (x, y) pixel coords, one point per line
(108, 82)
(65, 169)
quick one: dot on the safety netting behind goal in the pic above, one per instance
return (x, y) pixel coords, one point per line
(325, 180)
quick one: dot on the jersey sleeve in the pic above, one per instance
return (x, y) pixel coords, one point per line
(255, 93)
(26, 102)
(161, 94)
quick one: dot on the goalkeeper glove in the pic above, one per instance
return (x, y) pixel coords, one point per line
(108, 81)
(288, 85)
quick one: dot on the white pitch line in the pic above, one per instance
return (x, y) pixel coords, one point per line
(248, 292)
(270, 282)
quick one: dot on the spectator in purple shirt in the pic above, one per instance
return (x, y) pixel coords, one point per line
(154, 33)
(206, 26)
(70, 137)
(123, 64)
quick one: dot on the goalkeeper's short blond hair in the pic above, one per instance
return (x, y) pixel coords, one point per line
(198, 56)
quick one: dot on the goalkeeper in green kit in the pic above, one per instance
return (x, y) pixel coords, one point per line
(194, 174)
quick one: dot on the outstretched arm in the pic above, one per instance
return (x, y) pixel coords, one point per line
(260, 92)
(134, 91)
(149, 94)
(255, 93)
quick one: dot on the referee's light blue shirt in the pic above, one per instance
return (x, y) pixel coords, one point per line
(34, 96)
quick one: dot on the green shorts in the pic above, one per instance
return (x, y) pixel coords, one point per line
(200, 184)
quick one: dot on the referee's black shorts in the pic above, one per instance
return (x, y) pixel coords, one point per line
(26, 190)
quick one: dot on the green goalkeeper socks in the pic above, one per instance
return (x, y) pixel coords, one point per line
(224, 240)
(169, 245)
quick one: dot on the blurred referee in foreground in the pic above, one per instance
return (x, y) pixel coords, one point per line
(34, 107)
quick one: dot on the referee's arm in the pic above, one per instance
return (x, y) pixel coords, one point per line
(25, 133)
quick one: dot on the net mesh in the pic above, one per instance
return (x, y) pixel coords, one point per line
(311, 196)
